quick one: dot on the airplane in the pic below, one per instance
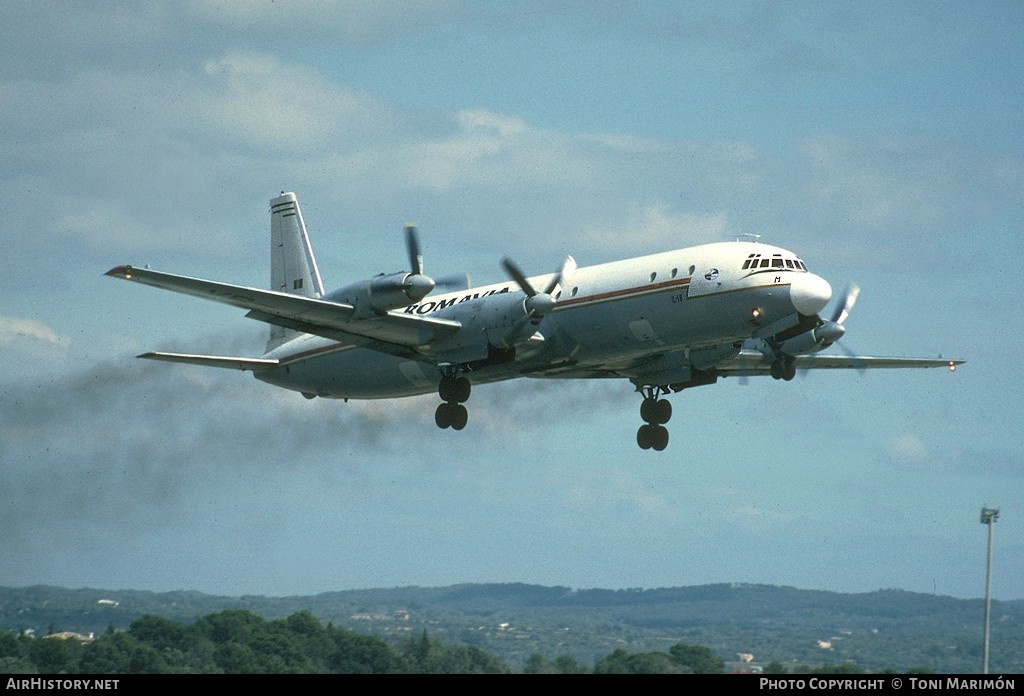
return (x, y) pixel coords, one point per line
(666, 322)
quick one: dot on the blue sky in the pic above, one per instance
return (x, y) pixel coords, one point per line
(881, 142)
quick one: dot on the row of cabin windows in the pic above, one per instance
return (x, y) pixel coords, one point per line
(776, 261)
(673, 273)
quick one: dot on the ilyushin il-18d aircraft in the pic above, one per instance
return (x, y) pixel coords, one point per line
(665, 322)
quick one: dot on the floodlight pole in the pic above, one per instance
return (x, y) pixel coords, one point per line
(988, 517)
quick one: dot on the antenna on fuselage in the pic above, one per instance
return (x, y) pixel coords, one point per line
(749, 237)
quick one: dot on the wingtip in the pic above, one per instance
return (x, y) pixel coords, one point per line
(123, 271)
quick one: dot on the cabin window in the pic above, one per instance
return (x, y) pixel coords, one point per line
(692, 268)
(673, 273)
(574, 291)
(654, 274)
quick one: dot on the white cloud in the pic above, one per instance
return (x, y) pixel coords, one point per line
(660, 227)
(349, 20)
(907, 449)
(13, 329)
(266, 106)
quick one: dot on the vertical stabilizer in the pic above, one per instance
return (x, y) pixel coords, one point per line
(292, 265)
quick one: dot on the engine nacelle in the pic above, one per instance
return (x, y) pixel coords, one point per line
(812, 341)
(384, 292)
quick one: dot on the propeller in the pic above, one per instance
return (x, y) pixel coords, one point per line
(418, 285)
(537, 304)
(540, 303)
(412, 244)
(843, 310)
(824, 334)
(831, 331)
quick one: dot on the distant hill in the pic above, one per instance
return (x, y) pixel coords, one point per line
(882, 630)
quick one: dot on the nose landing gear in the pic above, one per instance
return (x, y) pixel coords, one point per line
(784, 368)
(655, 412)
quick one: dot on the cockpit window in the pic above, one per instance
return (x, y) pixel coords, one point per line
(754, 261)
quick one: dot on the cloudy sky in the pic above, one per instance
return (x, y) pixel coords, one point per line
(880, 141)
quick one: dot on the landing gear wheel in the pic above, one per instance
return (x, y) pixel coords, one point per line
(446, 389)
(789, 370)
(462, 389)
(656, 411)
(662, 412)
(444, 416)
(454, 389)
(660, 437)
(652, 437)
(784, 368)
(460, 416)
(644, 437)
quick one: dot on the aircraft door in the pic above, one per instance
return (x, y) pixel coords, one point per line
(705, 280)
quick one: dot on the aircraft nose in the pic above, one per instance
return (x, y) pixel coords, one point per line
(810, 293)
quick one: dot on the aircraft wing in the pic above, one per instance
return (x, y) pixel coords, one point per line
(752, 362)
(390, 332)
(252, 364)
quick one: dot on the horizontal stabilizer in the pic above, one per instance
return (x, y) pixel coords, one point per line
(251, 364)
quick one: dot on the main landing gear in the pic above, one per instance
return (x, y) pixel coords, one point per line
(655, 412)
(454, 391)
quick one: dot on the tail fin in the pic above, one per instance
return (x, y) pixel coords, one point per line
(292, 266)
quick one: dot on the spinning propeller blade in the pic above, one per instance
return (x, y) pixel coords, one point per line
(843, 310)
(412, 243)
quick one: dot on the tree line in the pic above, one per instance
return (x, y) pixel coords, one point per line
(242, 642)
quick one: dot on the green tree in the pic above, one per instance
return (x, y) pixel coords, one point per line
(231, 625)
(160, 633)
(844, 668)
(55, 655)
(538, 664)
(17, 665)
(567, 664)
(622, 662)
(696, 659)
(358, 654)
(236, 658)
(12, 645)
(121, 653)
(426, 655)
